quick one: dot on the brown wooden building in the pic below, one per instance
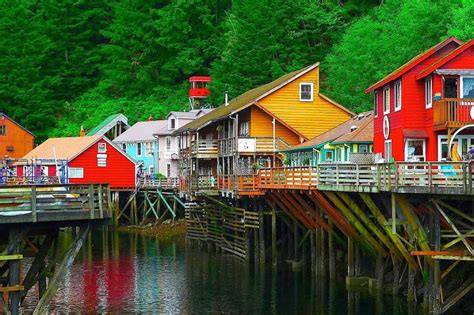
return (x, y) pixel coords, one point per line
(222, 150)
(15, 140)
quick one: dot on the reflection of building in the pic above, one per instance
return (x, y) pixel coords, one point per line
(419, 106)
(351, 141)
(15, 140)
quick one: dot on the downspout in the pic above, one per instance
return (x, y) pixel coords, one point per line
(274, 140)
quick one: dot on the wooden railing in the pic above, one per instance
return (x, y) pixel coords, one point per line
(32, 200)
(452, 113)
(262, 144)
(203, 146)
(203, 182)
(165, 183)
(29, 180)
(454, 177)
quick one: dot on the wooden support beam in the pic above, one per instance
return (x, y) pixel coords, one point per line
(320, 221)
(464, 289)
(372, 243)
(332, 213)
(284, 204)
(294, 206)
(438, 253)
(352, 205)
(378, 215)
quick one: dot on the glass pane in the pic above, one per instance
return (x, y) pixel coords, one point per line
(468, 87)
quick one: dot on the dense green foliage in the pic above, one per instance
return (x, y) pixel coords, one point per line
(74, 62)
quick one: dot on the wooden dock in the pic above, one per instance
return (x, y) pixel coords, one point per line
(30, 220)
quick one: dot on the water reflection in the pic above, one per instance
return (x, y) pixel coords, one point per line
(117, 272)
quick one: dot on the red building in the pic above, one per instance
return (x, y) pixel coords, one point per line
(91, 160)
(421, 105)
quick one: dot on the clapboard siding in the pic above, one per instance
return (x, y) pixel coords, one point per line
(308, 118)
(16, 137)
(261, 126)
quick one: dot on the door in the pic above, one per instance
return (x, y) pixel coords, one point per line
(450, 87)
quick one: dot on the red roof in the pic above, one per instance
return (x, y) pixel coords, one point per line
(445, 59)
(412, 63)
(199, 79)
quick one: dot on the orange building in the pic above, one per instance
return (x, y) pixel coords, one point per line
(15, 140)
(222, 149)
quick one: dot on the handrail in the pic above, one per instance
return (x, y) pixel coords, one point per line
(452, 112)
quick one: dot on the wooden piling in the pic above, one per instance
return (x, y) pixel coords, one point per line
(332, 255)
(396, 275)
(261, 231)
(274, 240)
(313, 252)
(14, 271)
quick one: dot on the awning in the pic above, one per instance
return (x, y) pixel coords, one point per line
(455, 71)
(415, 133)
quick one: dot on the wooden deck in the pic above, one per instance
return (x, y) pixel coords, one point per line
(421, 178)
(54, 203)
(452, 113)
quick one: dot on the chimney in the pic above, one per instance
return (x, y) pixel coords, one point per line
(353, 128)
(151, 118)
(82, 132)
(226, 98)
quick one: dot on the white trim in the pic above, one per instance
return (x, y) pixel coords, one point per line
(399, 98)
(461, 86)
(458, 137)
(312, 91)
(391, 149)
(429, 99)
(376, 104)
(384, 95)
(168, 150)
(78, 169)
(166, 170)
(139, 144)
(406, 149)
(109, 142)
(102, 148)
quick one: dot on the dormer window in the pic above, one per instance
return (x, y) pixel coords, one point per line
(306, 92)
(172, 123)
(428, 92)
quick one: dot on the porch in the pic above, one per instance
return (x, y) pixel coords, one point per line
(449, 113)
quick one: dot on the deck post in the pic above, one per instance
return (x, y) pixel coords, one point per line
(274, 240)
(436, 267)
(350, 257)
(313, 252)
(261, 230)
(332, 254)
(317, 243)
(323, 253)
(33, 204)
(14, 271)
(396, 275)
(380, 270)
(411, 285)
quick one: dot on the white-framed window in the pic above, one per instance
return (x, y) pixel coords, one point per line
(306, 92)
(429, 92)
(102, 148)
(172, 123)
(363, 148)
(168, 170)
(329, 155)
(415, 150)
(388, 150)
(168, 144)
(339, 154)
(467, 87)
(397, 91)
(386, 100)
(76, 172)
(244, 129)
(376, 104)
(3, 130)
(124, 147)
(148, 148)
(139, 149)
(464, 143)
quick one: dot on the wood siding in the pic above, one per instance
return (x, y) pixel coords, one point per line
(119, 173)
(261, 126)
(309, 118)
(16, 142)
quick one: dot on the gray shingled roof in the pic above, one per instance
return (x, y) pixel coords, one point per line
(142, 131)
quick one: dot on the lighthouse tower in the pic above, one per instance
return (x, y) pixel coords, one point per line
(198, 91)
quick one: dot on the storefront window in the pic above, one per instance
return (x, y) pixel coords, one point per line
(415, 150)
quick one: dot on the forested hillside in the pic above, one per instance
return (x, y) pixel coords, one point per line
(72, 62)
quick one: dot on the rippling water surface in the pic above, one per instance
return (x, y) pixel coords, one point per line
(126, 273)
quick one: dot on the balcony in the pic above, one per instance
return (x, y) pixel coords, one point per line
(204, 148)
(242, 185)
(251, 145)
(452, 113)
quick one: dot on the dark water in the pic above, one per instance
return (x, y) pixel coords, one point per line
(127, 273)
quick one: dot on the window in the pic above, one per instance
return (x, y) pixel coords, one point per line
(329, 155)
(151, 170)
(3, 130)
(467, 88)
(339, 154)
(388, 150)
(168, 170)
(76, 172)
(168, 144)
(398, 95)
(415, 150)
(376, 104)
(139, 149)
(177, 142)
(172, 123)
(124, 147)
(102, 147)
(149, 148)
(306, 92)
(363, 148)
(428, 92)
(386, 100)
(244, 129)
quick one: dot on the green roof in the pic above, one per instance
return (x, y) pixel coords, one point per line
(97, 130)
(240, 102)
